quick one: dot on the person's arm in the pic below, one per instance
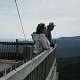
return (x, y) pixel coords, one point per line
(44, 41)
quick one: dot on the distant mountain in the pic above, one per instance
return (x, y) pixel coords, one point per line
(68, 47)
(69, 68)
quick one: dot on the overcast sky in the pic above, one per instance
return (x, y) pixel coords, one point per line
(64, 13)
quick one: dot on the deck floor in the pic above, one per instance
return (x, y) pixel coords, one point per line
(4, 64)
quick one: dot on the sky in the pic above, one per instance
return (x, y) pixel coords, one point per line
(64, 13)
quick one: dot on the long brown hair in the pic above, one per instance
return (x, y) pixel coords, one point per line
(39, 28)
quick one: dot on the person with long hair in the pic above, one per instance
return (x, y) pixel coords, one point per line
(41, 42)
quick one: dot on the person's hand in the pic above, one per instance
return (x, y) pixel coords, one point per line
(48, 46)
(53, 45)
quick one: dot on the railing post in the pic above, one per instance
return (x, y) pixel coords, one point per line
(2, 73)
(16, 48)
(27, 53)
(54, 41)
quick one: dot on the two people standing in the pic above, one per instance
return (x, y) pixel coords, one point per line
(42, 37)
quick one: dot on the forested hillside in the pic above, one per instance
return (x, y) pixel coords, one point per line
(69, 68)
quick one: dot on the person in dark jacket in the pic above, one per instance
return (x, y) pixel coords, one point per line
(48, 34)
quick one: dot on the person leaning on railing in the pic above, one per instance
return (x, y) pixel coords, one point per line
(48, 34)
(41, 42)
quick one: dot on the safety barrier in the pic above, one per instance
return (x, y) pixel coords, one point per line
(41, 67)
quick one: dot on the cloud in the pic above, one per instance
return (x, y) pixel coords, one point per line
(64, 13)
